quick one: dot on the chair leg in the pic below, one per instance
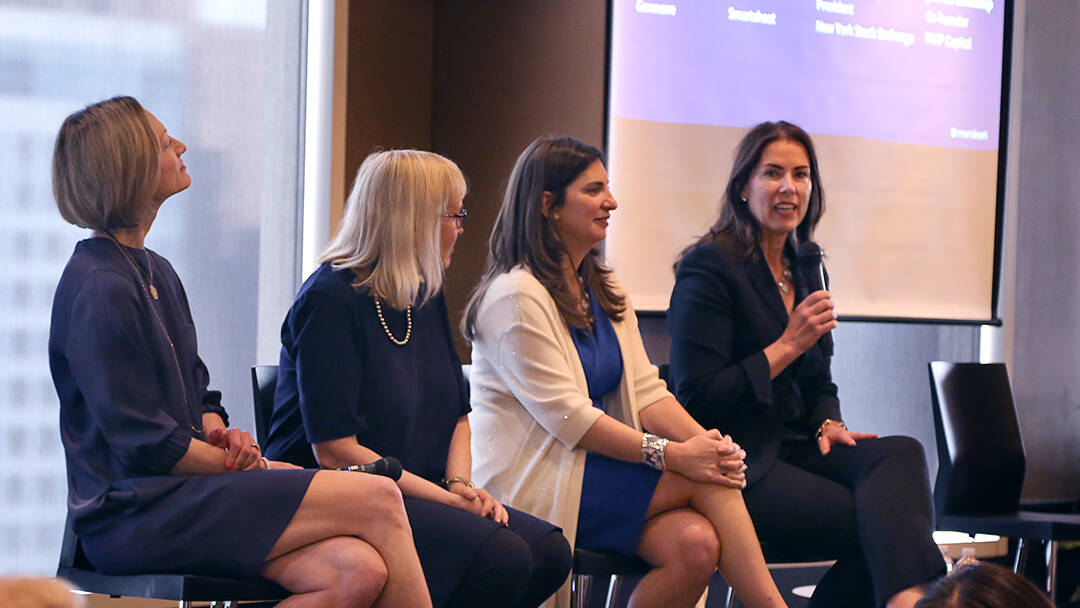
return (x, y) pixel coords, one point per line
(1020, 564)
(1051, 569)
(580, 591)
(614, 586)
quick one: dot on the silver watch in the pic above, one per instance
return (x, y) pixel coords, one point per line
(652, 451)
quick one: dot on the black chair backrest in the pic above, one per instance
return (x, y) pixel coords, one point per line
(71, 553)
(981, 456)
(263, 383)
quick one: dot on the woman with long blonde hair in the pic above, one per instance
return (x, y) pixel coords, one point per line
(368, 369)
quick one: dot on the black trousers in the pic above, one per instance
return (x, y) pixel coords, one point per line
(867, 506)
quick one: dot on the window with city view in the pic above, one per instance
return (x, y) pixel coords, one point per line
(225, 77)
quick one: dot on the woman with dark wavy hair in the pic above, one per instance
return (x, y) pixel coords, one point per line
(750, 352)
(983, 585)
(572, 423)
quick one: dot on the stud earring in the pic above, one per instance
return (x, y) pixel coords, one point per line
(555, 216)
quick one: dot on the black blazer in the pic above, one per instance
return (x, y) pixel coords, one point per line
(724, 312)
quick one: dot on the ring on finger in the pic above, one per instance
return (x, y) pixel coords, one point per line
(255, 444)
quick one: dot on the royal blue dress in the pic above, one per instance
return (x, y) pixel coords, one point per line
(340, 376)
(130, 404)
(614, 494)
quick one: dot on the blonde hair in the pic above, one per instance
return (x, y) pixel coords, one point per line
(389, 235)
(106, 164)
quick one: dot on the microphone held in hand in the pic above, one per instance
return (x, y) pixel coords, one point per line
(812, 268)
(813, 272)
(387, 467)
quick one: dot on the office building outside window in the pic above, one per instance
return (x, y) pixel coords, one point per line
(225, 77)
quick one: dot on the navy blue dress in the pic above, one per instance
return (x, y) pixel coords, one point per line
(341, 376)
(614, 494)
(128, 412)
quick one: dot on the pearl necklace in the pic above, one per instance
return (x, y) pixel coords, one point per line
(386, 328)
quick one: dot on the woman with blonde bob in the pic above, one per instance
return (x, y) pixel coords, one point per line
(156, 480)
(368, 369)
(579, 429)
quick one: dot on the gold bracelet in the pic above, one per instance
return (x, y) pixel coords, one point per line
(459, 479)
(828, 421)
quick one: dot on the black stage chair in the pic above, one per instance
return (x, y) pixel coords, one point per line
(181, 588)
(981, 463)
(589, 565)
(263, 383)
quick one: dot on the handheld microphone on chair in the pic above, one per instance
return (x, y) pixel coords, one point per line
(387, 467)
(813, 272)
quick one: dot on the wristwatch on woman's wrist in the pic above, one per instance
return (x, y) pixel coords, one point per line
(652, 451)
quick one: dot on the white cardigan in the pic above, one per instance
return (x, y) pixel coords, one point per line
(530, 401)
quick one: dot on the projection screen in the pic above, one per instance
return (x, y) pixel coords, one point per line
(902, 97)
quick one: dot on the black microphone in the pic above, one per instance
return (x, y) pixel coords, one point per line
(387, 467)
(813, 272)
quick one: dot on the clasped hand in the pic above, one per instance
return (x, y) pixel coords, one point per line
(480, 502)
(241, 451)
(709, 457)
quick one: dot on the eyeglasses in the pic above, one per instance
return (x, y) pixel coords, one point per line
(459, 217)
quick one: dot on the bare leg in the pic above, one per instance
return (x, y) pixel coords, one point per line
(741, 561)
(683, 549)
(341, 571)
(368, 507)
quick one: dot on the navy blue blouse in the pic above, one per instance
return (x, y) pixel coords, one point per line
(123, 413)
(340, 376)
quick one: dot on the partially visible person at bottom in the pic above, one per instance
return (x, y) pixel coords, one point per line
(751, 353)
(26, 592)
(156, 480)
(983, 585)
(576, 425)
(368, 369)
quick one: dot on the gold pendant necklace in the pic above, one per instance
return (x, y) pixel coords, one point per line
(150, 280)
(785, 281)
(152, 291)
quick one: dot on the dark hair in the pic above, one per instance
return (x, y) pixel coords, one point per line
(106, 163)
(737, 228)
(524, 235)
(983, 585)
